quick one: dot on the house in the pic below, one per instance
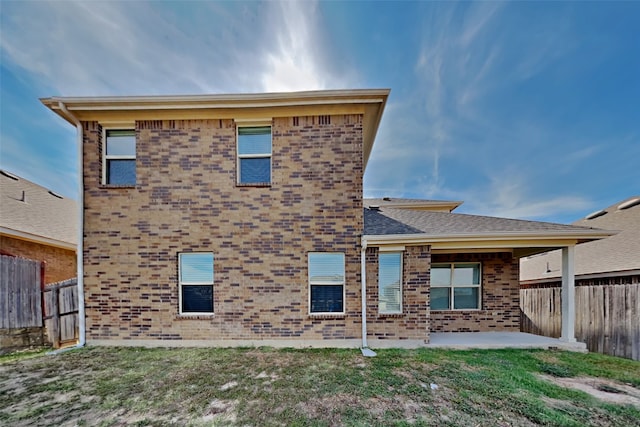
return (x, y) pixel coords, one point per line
(607, 276)
(240, 220)
(38, 224)
(615, 260)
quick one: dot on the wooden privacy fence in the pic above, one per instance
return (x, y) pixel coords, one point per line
(61, 307)
(607, 317)
(21, 282)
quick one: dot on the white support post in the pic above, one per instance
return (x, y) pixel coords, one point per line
(568, 295)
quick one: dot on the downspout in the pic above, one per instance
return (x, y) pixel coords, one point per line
(80, 244)
(366, 351)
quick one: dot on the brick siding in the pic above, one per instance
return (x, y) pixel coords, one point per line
(60, 263)
(413, 323)
(500, 297)
(186, 199)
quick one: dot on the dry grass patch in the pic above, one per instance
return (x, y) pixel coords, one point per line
(266, 387)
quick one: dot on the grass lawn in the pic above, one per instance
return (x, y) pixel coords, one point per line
(268, 387)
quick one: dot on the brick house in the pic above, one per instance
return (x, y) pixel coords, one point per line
(240, 220)
(38, 224)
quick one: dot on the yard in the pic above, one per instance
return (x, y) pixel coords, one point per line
(269, 387)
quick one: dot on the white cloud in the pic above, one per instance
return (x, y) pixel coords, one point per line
(294, 62)
(100, 48)
(462, 144)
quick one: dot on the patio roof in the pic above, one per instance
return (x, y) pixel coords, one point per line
(448, 230)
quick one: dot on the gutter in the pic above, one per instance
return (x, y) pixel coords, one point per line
(366, 351)
(80, 248)
(29, 237)
(542, 236)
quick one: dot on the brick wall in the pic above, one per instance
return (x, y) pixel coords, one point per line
(500, 297)
(186, 199)
(413, 323)
(60, 263)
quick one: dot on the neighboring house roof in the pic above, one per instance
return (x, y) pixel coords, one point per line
(616, 255)
(417, 204)
(31, 212)
(248, 106)
(384, 225)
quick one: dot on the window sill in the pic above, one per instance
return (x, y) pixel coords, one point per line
(254, 184)
(327, 316)
(457, 310)
(194, 316)
(390, 315)
(112, 186)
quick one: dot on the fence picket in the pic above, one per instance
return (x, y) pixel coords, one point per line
(607, 316)
(20, 293)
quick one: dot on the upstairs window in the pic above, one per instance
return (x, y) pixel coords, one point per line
(120, 157)
(195, 270)
(326, 283)
(390, 283)
(254, 155)
(455, 286)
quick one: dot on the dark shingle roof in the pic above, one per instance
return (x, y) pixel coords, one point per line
(405, 221)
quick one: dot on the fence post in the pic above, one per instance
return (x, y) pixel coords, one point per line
(42, 271)
(55, 313)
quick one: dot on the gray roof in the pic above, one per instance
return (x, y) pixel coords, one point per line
(33, 211)
(386, 221)
(616, 254)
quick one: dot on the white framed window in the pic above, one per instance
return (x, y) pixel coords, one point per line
(326, 283)
(456, 286)
(254, 154)
(195, 272)
(119, 160)
(390, 282)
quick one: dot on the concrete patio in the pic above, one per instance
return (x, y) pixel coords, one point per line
(471, 340)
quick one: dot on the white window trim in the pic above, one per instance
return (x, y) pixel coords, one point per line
(180, 285)
(239, 157)
(452, 286)
(326, 283)
(401, 252)
(106, 157)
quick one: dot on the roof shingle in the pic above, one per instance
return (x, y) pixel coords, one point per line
(26, 207)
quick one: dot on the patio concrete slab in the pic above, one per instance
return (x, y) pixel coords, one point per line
(493, 340)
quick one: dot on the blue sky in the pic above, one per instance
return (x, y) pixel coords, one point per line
(521, 109)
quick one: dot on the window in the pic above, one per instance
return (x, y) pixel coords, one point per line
(326, 282)
(195, 272)
(455, 286)
(390, 282)
(120, 157)
(254, 155)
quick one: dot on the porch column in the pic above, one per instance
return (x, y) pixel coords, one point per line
(568, 295)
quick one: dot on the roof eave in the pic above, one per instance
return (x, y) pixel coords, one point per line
(227, 101)
(373, 102)
(30, 237)
(468, 239)
(582, 276)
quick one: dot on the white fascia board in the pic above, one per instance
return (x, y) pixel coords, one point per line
(283, 99)
(22, 235)
(502, 239)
